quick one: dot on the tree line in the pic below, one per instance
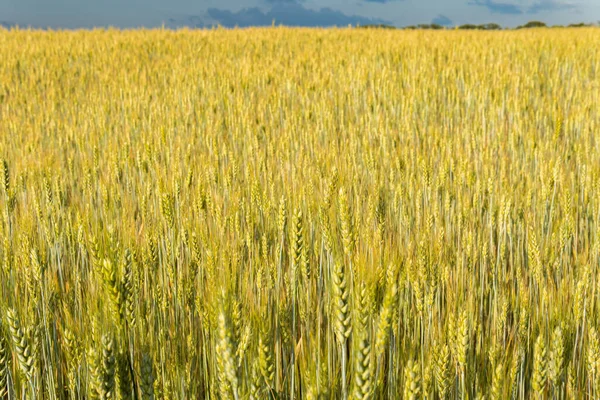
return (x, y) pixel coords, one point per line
(482, 27)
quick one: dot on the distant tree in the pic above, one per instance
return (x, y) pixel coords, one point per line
(429, 26)
(533, 24)
(377, 26)
(468, 27)
(490, 27)
(579, 25)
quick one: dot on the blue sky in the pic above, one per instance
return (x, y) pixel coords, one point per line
(198, 13)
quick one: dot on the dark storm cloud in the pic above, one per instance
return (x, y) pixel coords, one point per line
(442, 20)
(498, 7)
(289, 15)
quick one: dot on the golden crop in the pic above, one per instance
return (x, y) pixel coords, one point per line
(300, 214)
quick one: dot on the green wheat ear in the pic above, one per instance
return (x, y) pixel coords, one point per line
(123, 377)
(4, 366)
(593, 359)
(95, 373)
(363, 374)
(346, 223)
(556, 360)
(497, 383)
(21, 345)
(538, 378)
(297, 239)
(462, 341)
(385, 318)
(558, 126)
(111, 282)
(255, 382)
(342, 315)
(226, 364)
(5, 178)
(127, 289)
(147, 377)
(265, 360)
(108, 368)
(442, 371)
(412, 381)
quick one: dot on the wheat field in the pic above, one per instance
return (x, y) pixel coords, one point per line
(300, 214)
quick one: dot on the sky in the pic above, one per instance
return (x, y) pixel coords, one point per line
(71, 14)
